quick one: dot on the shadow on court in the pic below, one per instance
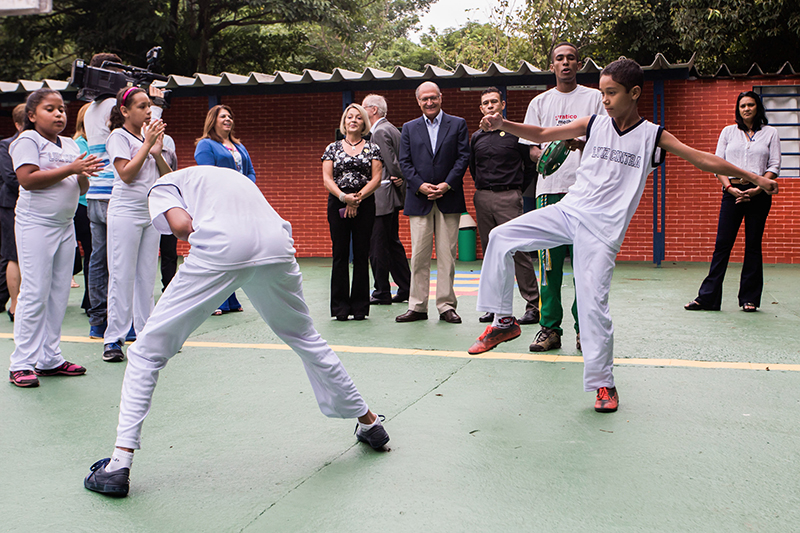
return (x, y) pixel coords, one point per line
(235, 441)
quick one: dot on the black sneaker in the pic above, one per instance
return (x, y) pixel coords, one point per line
(114, 483)
(375, 436)
(112, 352)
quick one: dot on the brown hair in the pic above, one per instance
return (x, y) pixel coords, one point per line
(98, 59)
(209, 132)
(80, 130)
(19, 114)
(33, 101)
(124, 95)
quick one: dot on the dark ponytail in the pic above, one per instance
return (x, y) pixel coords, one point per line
(33, 101)
(124, 95)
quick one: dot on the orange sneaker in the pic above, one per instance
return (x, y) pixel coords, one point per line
(607, 400)
(492, 336)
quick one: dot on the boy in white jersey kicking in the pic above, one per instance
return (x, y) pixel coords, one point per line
(238, 240)
(621, 150)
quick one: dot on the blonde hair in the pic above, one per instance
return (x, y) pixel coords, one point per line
(80, 129)
(209, 132)
(364, 117)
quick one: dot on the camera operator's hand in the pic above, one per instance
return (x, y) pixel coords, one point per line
(155, 92)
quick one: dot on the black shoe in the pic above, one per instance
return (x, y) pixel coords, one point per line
(375, 436)
(377, 301)
(112, 352)
(531, 316)
(114, 483)
(450, 316)
(341, 318)
(399, 299)
(411, 316)
(488, 317)
(10, 315)
(359, 317)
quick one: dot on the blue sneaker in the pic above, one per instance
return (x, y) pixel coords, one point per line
(114, 483)
(97, 332)
(112, 352)
(131, 335)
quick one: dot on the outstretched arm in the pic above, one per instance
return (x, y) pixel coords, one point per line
(711, 163)
(576, 128)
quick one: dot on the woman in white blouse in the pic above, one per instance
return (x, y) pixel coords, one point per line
(752, 145)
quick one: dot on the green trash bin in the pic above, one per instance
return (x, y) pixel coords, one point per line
(467, 238)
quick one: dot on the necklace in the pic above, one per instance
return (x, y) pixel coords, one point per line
(351, 144)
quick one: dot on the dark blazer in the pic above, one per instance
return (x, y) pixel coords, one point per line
(387, 196)
(212, 153)
(420, 165)
(9, 186)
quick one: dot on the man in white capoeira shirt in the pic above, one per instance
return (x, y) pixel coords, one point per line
(238, 240)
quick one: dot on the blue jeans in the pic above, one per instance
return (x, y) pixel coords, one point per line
(98, 262)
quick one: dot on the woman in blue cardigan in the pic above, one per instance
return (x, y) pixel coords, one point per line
(219, 147)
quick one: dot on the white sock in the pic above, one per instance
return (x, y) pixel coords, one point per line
(365, 427)
(119, 459)
(502, 321)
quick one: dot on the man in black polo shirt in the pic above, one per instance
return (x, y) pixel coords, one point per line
(502, 169)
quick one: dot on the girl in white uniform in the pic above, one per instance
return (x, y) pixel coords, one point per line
(52, 175)
(134, 150)
(621, 150)
(238, 240)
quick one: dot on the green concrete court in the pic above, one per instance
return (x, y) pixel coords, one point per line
(505, 442)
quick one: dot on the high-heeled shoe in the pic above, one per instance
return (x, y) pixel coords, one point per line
(10, 315)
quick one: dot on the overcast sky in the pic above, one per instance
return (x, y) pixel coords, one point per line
(454, 13)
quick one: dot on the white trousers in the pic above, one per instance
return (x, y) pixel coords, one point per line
(593, 268)
(46, 257)
(444, 226)
(132, 263)
(276, 293)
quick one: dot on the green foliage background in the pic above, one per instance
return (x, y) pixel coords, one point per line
(214, 36)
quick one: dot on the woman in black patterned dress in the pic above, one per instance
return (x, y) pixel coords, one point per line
(351, 171)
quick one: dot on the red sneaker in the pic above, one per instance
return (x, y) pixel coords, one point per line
(492, 336)
(607, 400)
(66, 369)
(23, 378)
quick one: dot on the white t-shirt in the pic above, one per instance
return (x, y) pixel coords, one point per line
(612, 176)
(55, 205)
(234, 225)
(758, 155)
(554, 108)
(95, 121)
(130, 199)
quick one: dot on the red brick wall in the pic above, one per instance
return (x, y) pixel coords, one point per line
(286, 135)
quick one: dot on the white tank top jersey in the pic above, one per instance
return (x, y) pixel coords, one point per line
(612, 176)
(130, 199)
(553, 108)
(234, 225)
(95, 121)
(55, 205)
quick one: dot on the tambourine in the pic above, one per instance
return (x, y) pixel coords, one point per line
(553, 157)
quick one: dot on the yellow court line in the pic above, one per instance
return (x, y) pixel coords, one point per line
(544, 358)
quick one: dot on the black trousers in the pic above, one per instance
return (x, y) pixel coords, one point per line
(169, 259)
(347, 299)
(83, 234)
(388, 256)
(751, 282)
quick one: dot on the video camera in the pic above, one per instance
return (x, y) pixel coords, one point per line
(93, 82)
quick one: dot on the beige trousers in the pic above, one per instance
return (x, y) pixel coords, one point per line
(443, 228)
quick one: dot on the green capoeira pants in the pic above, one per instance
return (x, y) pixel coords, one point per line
(551, 269)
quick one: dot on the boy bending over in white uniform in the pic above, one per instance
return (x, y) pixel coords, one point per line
(621, 150)
(238, 240)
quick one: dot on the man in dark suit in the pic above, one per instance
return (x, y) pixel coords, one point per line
(434, 154)
(387, 254)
